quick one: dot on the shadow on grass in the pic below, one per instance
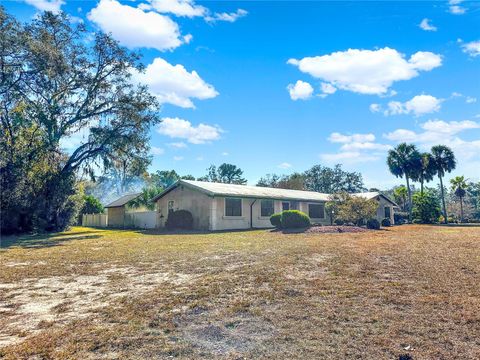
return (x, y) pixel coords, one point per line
(40, 241)
(457, 225)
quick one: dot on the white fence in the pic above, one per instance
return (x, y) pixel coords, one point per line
(141, 220)
(94, 220)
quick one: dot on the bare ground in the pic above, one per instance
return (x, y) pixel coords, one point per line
(124, 294)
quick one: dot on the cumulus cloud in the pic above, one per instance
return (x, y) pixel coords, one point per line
(183, 129)
(355, 148)
(472, 48)
(340, 138)
(186, 8)
(375, 107)
(156, 151)
(327, 89)
(441, 132)
(367, 71)
(301, 90)
(426, 25)
(470, 100)
(455, 8)
(178, 145)
(228, 17)
(348, 157)
(173, 84)
(284, 165)
(135, 27)
(46, 5)
(418, 105)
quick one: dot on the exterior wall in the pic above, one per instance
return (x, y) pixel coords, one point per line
(198, 203)
(116, 216)
(382, 203)
(222, 222)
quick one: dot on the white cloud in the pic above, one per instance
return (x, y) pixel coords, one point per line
(178, 145)
(225, 153)
(470, 100)
(434, 131)
(183, 129)
(156, 151)
(185, 8)
(327, 88)
(228, 17)
(441, 132)
(300, 91)
(455, 8)
(135, 28)
(199, 158)
(178, 158)
(367, 71)
(284, 165)
(426, 25)
(340, 138)
(355, 148)
(173, 84)
(46, 5)
(348, 157)
(472, 48)
(358, 146)
(418, 105)
(375, 107)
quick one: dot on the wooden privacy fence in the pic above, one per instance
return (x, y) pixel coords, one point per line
(139, 220)
(94, 220)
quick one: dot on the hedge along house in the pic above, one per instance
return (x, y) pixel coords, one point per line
(217, 206)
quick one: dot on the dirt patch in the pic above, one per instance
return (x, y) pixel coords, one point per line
(326, 230)
(33, 302)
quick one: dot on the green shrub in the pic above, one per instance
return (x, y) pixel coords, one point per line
(180, 219)
(294, 219)
(276, 220)
(360, 222)
(400, 217)
(386, 222)
(373, 224)
(426, 207)
(339, 222)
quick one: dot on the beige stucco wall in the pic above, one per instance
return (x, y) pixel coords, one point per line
(115, 216)
(382, 203)
(198, 203)
(222, 222)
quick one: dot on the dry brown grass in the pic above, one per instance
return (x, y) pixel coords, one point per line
(123, 294)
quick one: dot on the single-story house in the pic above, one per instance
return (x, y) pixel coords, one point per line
(116, 210)
(217, 206)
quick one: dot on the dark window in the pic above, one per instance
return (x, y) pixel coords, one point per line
(267, 208)
(233, 207)
(285, 206)
(170, 206)
(316, 211)
(294, 205)
(387, 212)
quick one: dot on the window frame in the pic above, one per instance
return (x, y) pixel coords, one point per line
(272, 207)
(225, 207)
(389, 212)
(170, 209)
(322, 205)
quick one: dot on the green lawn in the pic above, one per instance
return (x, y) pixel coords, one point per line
(91, 293)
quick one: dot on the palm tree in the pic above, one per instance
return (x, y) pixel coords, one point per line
(144, 200)
(459, 186)
(425, 170)
(403, 162)
(400, 194)
(444, 161)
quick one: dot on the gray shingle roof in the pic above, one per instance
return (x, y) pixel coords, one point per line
(123, 200)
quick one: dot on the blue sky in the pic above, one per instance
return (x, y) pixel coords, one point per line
(276, 87)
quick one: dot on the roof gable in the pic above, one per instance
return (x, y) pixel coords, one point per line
(122, 200)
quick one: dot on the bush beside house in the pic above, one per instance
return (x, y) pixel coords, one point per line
(180, 219)
(290, 219)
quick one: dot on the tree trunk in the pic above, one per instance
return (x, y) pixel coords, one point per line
(421, 186)
(461, 209)
(443, 201)
(409, 200)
